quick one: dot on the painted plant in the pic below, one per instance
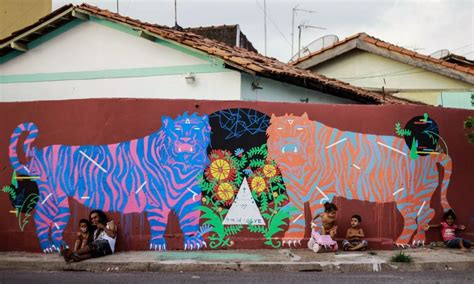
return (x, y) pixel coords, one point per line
(220, 184)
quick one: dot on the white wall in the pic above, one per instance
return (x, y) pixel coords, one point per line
(276, 91)
(92, 48)
(372, 71)
(207, 86)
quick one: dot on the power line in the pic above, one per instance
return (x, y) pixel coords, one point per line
(273, 23)
(463, 46)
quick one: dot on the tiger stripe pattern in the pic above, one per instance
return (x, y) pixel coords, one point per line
(319, 163)
(155, 174)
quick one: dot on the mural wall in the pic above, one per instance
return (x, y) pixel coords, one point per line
(211, 175)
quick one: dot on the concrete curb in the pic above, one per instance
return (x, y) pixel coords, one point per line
(192, 266)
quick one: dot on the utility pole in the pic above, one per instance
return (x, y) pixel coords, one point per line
(265, 24)
(294, 11)
(175, 13)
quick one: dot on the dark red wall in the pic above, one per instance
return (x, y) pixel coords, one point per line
(104, 121)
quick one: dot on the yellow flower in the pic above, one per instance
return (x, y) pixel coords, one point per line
(269, 170)
(258, 184)
(220, 169)
(225, 191)
(275, 194)
(204, 199)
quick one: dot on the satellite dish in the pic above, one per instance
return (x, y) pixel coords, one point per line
(440, 53)
(316, 45)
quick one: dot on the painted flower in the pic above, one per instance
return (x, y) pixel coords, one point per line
(222, 167)
(269, 170)
(258, 184)
(238, 152)
(275, 194)
(225, 192)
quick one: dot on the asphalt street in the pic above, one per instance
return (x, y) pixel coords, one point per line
(7, 277)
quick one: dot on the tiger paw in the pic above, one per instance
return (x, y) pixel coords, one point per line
(48, 247)
(418, 243)
(158, 243)
(194, 243)
(402, 245)
(52, 249)
(57, 245)
(296, 243)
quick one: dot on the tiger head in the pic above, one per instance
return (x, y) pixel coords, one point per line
(290, 138)
(187, 137)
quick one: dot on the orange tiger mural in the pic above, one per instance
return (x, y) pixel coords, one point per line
(319, 162)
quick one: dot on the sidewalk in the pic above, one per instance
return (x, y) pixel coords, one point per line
(282, 260)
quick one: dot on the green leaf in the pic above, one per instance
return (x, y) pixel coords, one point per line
(263, 202)
(257, 163)
(232, 229)
(413, 150)
(14, 180)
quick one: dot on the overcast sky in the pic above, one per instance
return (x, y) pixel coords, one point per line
(423, 25)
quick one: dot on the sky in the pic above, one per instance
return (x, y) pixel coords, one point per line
(425, 26)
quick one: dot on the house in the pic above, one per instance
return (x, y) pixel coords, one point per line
(372, 64)
(86, 52)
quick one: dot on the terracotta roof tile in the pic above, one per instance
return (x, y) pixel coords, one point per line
(248, 60)
(382, 44)
(462, 68)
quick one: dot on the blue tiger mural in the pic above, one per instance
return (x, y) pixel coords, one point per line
(156, 174)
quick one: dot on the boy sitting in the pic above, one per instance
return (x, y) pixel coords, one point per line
(354, 236)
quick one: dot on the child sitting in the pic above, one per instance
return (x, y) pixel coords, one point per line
(84, 235)
(448, 231)
(328, 218)
(354, 236)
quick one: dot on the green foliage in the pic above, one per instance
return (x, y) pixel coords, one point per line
(401, 257)
(218, 238)
(279, 199)
(269, 201)
(28, 206)
(232, 229)
(263, 202)
(425, 117)
(274, 225)
(261, 150)
(413, 150)
(400, 131)
(469, 124)
(257, 163)
(14, 181)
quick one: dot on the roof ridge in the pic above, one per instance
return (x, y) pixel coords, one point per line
(392, 47)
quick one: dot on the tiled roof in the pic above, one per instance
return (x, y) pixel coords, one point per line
(459, 60)
(442, 64)
(234, 57)
(227, 34)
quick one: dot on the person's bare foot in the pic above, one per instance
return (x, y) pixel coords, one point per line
(66, 253)
(464, 250)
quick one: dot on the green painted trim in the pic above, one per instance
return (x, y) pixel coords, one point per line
(42, 39)
(10, 55)
(117, 73)
(120, 27)
(167, 43)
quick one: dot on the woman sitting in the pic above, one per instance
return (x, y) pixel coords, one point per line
(103, 240)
